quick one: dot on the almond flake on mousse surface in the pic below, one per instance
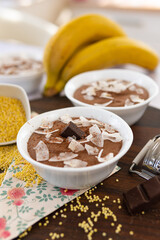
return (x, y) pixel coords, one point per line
(128, 103)
(65, 119)
(91, 150)
(139, 91)
(64, 156)
(105, 158)
(75, 163)
(115, 86)
(103, 104)
(58, 140)
(113, 137)
(75, 146)
(93, 121)
(90, 91)
(109, 128)
(82, 122)
(132, 88)
(136, 98)
(106, 95)
(96, 134)
(86, 97)
(45, 131)
(46, 125)
(42, 152)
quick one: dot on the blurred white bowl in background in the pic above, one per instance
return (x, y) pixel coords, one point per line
(23, 27)
(22, 33)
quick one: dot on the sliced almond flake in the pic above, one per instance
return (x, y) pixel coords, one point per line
(136, 98)
(81, 122)
(87, 139)
(128, 102)
(95, 85)
(139, 90)
(87, 97)
(90, 91)
(116, 86)
(102, 84)
(108, 157)
(69, 139)
(75, 146)
(46, 125)
(42, 152)
(91, 150)
(96, 138)
(45, 132)
(94, 130)
(113, 137)
(85, 122)
(93, 121)
(103, 104)
(132, 88)
(65, 118)
(129, 85)
(48, 135)
(106, 95)
(64, 156)
(75, 163)
(109, 128)
(100, 154)
(55, 140)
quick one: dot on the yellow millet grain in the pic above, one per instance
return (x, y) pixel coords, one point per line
(27, 173)
(12, 118)
(7, 153)
(104, 234)
(55, 235)
(2, 175)
(131, 233)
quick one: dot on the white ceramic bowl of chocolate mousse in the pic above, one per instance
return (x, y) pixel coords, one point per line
(76, 177)
(130, 113)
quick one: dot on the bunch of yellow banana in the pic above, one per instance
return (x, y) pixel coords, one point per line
(91, 42)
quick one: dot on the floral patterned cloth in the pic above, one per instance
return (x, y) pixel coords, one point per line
(21, 207)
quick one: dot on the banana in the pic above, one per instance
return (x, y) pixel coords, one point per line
(74, 35)
(108, 53)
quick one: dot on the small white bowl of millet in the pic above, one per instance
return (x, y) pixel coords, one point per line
(15, 111)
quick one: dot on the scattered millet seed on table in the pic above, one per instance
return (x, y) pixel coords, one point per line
(27, 173)
(131, 233)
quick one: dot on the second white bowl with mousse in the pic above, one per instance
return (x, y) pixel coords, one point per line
(131, 114)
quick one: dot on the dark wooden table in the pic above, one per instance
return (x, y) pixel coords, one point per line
(141, 226)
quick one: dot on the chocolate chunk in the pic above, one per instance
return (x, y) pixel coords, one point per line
(72, 130)
(143, 196)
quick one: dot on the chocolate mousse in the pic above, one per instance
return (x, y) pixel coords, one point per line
(91, 142)
(111, 93)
